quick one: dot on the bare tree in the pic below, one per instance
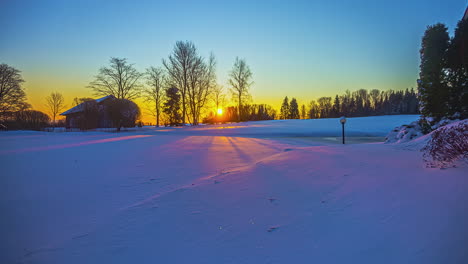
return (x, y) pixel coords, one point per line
(325, 105)
(374, 95)
(202, 79)
(78, 101)
(12, 95)
(55, 104)
(218, 97)
(120, 79)
(155, 95)
(193, 76)
(314, 110)
(240, 81)
(178, 66)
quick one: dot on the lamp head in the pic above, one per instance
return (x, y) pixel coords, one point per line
(343, 120)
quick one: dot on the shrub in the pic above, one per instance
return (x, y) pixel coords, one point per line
(25, 120)
(123, 113)
(447, 145)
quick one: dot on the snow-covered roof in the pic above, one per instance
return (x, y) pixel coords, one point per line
(99, 100)
(80, 107)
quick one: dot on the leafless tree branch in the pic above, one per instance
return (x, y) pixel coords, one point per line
(120, 79)
(55, 104)
(240, 81)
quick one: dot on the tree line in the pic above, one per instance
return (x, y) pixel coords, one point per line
(248, 112)
(185, 88)
(353, 104)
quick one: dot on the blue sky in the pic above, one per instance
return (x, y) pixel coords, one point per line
(303, 49)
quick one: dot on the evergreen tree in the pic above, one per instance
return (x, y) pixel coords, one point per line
(284, 113)
(412, 103)
(360, 103)
(336, 107)
(294, 109)
(433, 90)
(303, 111)
(172, 106)
(458, 70)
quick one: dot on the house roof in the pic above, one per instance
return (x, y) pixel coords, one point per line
(80, 107)
(465, 17)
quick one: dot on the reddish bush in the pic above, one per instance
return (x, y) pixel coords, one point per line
(447, 145)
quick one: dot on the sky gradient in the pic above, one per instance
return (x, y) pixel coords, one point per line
(302, 49)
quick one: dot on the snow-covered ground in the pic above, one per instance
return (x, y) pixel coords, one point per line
(256, 192)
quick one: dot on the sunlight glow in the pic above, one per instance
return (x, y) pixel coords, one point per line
(220, 111)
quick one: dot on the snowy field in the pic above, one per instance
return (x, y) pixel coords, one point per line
(256, 192)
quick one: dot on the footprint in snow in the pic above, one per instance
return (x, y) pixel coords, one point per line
(273, 228)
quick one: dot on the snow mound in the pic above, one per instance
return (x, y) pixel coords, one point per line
(404, 133)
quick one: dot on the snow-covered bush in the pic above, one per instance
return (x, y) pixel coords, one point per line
(404, 133)
(447, 145)
(418, 128)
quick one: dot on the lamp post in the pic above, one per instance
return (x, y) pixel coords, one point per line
(343, 121)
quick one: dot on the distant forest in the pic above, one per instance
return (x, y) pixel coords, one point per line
(365, 103)
(353, 104)
(249, 112)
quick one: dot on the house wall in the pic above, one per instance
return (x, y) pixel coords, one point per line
(77, 120)
(73, 120)
(104, 120)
